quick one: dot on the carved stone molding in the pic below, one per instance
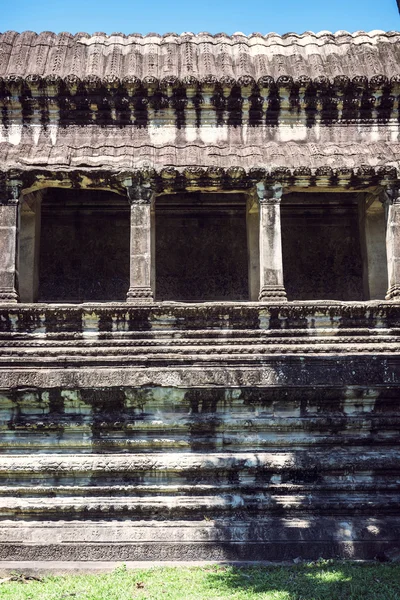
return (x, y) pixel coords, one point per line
(132, 102)
(10, 191)
(393, 194)
(140, 294)
(157, 178)
(270, 194)
(326, 86)
(272, 293)
(139, 194)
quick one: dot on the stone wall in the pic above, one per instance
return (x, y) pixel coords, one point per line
(173, 431)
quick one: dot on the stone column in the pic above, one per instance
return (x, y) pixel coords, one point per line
(271, 268)
(373, 247)
(29, 246)
(140, 198)
(253, 245)
(9, 196)
(393, 243)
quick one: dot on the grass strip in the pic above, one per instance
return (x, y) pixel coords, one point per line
(322, 580)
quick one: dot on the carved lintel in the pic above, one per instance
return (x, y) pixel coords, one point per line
(139, 194)
(270, 194)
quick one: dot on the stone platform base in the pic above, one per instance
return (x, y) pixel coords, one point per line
(234, 540)
(199, 433)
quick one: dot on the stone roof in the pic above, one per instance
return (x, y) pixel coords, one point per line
(121, 153)
(188, 55)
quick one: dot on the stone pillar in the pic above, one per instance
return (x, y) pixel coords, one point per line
(140, 198)
(29, 246)
(393, 243)
(373, 247)
(9, 197)
(271, 267)
(253, 246)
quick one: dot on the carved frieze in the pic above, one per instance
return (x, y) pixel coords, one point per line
(147, 180)
(266, 100)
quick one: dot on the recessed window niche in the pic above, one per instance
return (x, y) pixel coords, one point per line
(84, 246)
(201, 247)
(321, 245)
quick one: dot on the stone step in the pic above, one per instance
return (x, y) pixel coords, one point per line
(358, 483)
(66, 441)
(194, 338)
(251, 356)
(182, 338)
(384, 343)
(206, 506)
(261, 538)
(201, 465)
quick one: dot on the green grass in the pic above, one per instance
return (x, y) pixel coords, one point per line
(326, 580)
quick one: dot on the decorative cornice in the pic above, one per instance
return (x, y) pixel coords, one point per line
(147, 181)
(48, 83)
(341, 88)
(131, 101)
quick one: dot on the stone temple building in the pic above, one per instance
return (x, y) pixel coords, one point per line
(199, 296)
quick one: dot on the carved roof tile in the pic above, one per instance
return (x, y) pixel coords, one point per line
(116, 154)
(120, 55)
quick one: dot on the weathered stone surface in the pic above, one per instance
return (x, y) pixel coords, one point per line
(393, 245)
(71, 155)
(221, 430)
(107, 57)
(8, 251)
(234, 454)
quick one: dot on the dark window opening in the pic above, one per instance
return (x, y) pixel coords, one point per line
(201, 247)
(84, 249)
(321, 246)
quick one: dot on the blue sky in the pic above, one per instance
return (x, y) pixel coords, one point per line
(163, 16)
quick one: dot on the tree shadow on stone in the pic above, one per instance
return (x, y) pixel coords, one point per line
(321, 580)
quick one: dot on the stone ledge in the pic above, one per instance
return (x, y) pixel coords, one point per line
(224, 551)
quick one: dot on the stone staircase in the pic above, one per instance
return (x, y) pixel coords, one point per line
(199, 432)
